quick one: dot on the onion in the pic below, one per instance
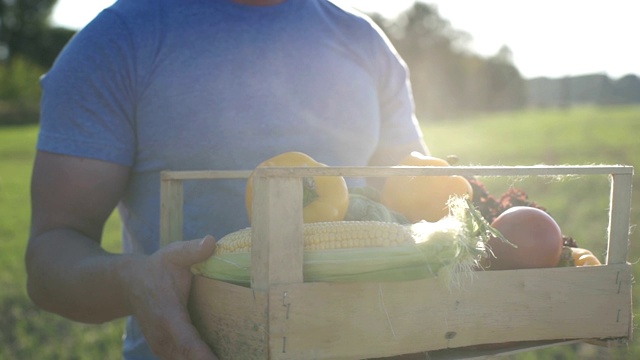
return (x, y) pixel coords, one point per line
(536, 234)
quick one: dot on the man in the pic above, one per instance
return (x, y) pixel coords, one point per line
(154, 85)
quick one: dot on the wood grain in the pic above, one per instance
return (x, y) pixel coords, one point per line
(360, 320)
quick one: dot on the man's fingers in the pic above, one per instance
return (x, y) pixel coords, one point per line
(187, 253)
(170, 333)
(163, 314)
(179, 341)
(190, 346)
(205, 249)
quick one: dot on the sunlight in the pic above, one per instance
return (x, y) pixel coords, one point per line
(77, 13)
(547, 37)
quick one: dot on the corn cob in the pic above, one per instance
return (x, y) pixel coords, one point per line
(346, 251)
(330, 235)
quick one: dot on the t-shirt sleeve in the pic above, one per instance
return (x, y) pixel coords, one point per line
(400, 131)
(88, 95)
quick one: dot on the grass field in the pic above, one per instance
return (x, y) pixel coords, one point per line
(575, 136)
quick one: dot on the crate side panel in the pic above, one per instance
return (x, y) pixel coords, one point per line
(231, 319)
(549, 304)
(321, 320)
(345, 320)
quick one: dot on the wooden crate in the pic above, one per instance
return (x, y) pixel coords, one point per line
(281, 317)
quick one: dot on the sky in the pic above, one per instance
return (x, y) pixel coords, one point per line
(551, 38)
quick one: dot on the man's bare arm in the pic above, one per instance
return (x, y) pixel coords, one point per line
(70, 274)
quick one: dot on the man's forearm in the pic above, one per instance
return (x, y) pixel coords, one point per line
(72, 276)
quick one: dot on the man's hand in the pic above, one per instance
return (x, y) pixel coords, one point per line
(159, 291)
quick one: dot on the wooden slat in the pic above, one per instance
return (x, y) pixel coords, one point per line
(490, 351)
(206, 174)
(171, 211)
(375, 320)
(384, 171)
(276, 247)
(619, 218)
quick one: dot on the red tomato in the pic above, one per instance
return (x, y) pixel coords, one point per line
(535, 233)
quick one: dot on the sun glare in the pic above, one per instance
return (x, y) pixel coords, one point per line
(547, 37)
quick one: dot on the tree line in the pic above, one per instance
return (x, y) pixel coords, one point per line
(28, 46)
(448, 79)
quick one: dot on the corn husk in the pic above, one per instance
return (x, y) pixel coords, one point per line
(448, 248)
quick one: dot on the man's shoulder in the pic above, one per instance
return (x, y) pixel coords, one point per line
(347, 12)
(351, 21)
(137, 11)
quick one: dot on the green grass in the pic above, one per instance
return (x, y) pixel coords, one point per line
(27, 332)
(576, 136)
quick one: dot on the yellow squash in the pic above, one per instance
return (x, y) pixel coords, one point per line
(325, 198)
(584, 257)
(423, 197)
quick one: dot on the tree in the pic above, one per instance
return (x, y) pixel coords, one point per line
(428, 43)
(448, 79)
(506, 85)
(28, 47)
(24, 31)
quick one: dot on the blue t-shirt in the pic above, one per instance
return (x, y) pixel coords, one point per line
(214, 85)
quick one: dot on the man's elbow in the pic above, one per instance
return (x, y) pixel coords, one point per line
(36, 294)
(43, 293)
(35, 285)
(42, 296)
(38, 287)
